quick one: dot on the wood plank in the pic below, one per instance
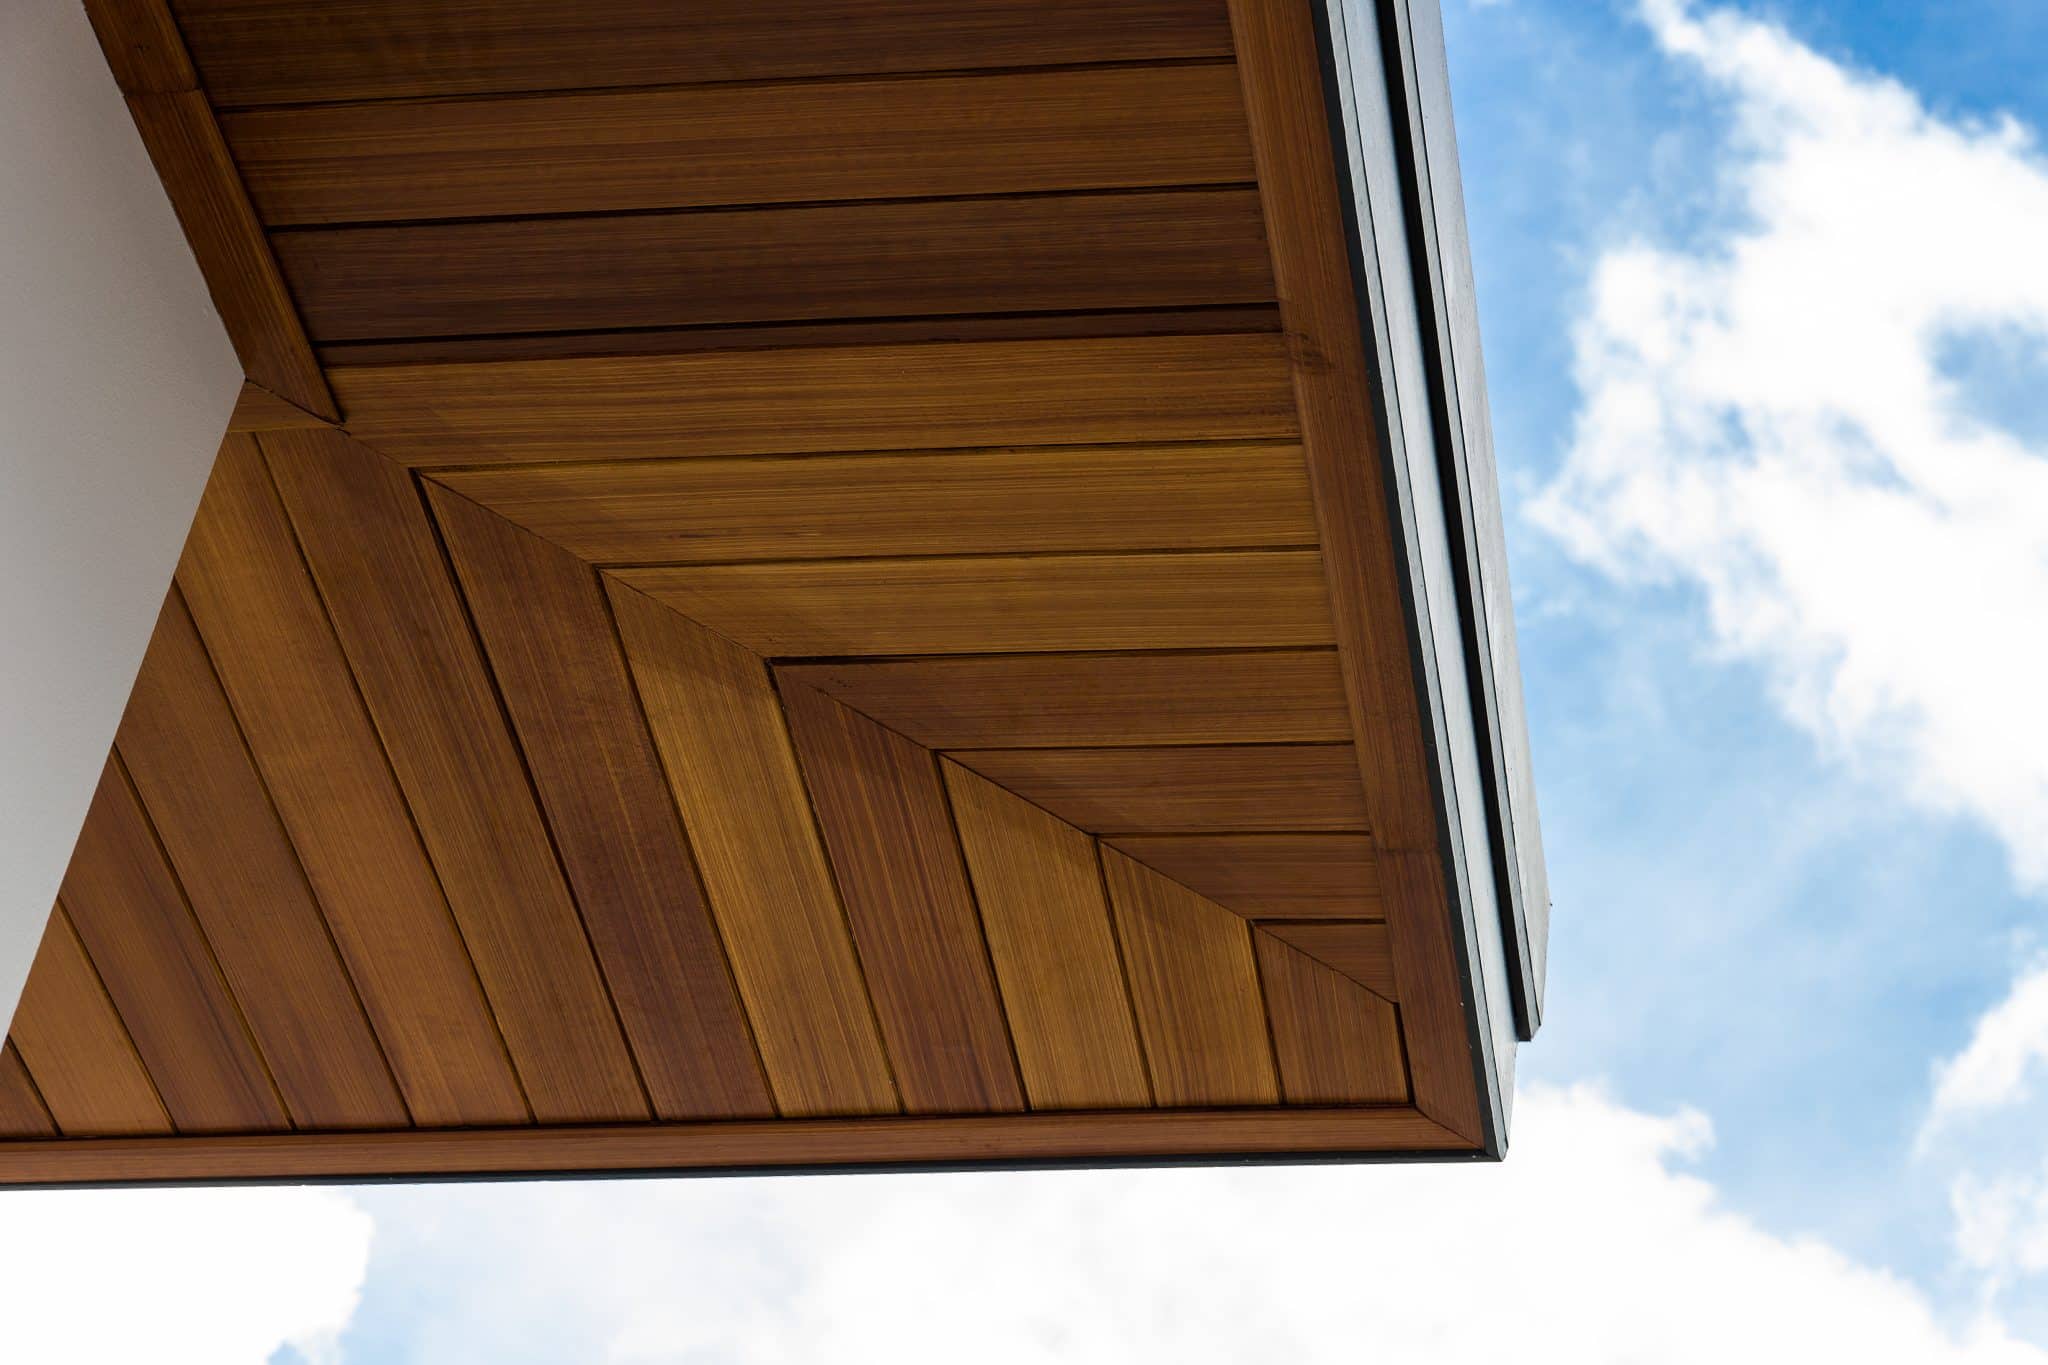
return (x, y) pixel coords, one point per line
(22, 1114)
(1054, 953)
(160, 972)
(951, 1142)
(372, 550)
(1195, 986)
(268, 635)
(1281, 66)
(1337, 1042)
(903, 138)
(885, 821)
(1039, 254)
(241, 274)
(549, 635)
(1201, 789)
(909, 397)
(708, 511)
(258, 409)
(1062, 700)
(74, 1044)
(1363, 952)
(302, 51)
(999, 603)
(720, 732)
(181, 745)
(1277, 876)
(142, 46)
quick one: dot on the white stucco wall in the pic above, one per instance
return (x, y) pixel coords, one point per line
(115, 383)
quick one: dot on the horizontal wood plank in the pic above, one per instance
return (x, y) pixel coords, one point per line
(708, 511)
(998, 603)
(1337, 1042)
(941, 395)
(75, 1045)
(302, 51)
(1270, 876)
(1001, 133)
(1199, 789)
(1095, 700)
(1362, 952)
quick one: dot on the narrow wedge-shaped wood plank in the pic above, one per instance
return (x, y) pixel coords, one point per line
(258, 409)
(160, 972)
(1095, 700)
(883, 814)
(1054, 951)
(22, 1114)
(142, 46)
(1038, 254)
(241, 274)
(1200, 789)
(1002, 133)
(549, 634)
(1363, 952)
(1151, 389)
(268, 635)
(993, 603)
(975, 502)
(1337, 1042)
(1276, 876)
(185, 753)
(76, 1047)
(1195, 986)
(260, 53)
(720, 731)
(373, 551)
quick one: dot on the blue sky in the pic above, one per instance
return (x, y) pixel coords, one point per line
(1765, 305)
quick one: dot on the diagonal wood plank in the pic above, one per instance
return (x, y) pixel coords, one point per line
(76, 1047)
(1055, 955)
(1203, 789)
(708, 511)
(1196, 988)
(320, 757)
(1337, 1042)
(886, 824)
(185, 753)
(1095, 700)
(372, 550)
(987, 604)
(1361, 952)
(548, 632)
(721, 735)
(1262, 876)
(22, 1114)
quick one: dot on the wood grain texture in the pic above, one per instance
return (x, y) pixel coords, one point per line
(302, 51)
(74, 1044)
(548, 632)
(1336, 1041)
(22, 1114)
(1213, 788)
(1055, 955)
(373, 551)
(1362, 952)
(962, 1142)
(720, 732)
(268, 634)
(996, 603)
(1195, 986)
(1276, 876)
(1095, 700)
(142, 46)
(233, 254)
(258, 409)
(994, 393)
(887, 827)
(1281, 69)
(902, 138)
(1039, 254)
(160, 972)
(833, 506)
(185, 753)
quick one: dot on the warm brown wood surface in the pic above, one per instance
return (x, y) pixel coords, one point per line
(1201, 789)
(1336, 1041)
(1361, 951)
(142, 45)
(22, 1114)
(69, 1036)
(1278, 876)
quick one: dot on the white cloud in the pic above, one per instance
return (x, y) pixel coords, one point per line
(1995, 1070)
(1766, 417)
(177, 1277)
(1589, 1245)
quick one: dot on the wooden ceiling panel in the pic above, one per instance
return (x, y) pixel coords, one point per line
(1269, 876)
(75, 1046)
(1363, 952)
(1336, 1041)
(1200, 789)
(22, 1114)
